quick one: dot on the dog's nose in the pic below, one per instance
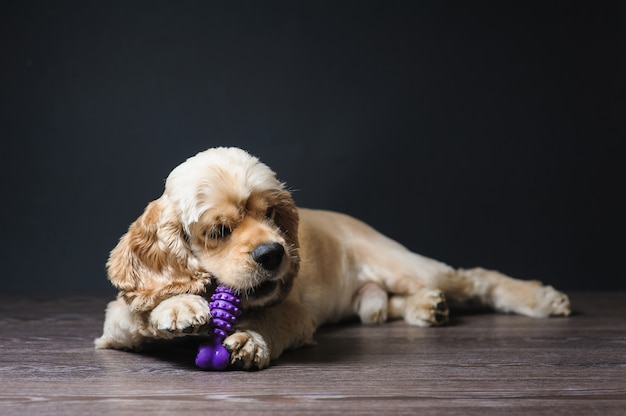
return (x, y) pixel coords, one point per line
(269, 255)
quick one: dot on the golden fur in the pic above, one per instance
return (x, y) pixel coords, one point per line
(225, 218)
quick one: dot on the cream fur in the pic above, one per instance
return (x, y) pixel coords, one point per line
(220, 205)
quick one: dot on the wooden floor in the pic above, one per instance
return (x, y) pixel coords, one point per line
(480, 364)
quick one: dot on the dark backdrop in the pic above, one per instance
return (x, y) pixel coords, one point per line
(478, 133)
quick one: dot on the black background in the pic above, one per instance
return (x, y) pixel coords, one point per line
(478, 133)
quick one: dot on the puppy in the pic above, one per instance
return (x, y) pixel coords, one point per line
(224, 218)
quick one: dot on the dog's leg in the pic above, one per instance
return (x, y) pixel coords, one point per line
(411, 282)
(505, 294)
(419, 287)
(176, 316)
(265, 333)
(123, 329)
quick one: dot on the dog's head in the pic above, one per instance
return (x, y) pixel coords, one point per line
(224, 218)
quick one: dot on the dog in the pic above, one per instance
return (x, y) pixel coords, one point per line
(224, 218)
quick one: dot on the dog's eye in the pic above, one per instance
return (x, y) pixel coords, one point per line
(220, 231)
(269, 213)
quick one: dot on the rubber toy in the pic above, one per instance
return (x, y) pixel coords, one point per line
(224, 307)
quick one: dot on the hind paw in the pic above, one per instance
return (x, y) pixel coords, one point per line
(425, 308)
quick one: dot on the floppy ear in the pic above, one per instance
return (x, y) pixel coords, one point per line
(152, 261)
(287, 218)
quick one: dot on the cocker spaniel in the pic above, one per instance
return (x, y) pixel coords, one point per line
(224, 218)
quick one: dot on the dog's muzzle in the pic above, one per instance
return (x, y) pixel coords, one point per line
(269, 256)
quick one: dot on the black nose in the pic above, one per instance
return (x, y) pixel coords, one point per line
(269, 255)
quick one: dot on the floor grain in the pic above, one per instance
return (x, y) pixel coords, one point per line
(480, 364)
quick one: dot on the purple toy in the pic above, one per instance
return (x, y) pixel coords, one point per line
(224, 312)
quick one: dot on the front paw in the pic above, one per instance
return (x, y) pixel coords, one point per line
(179, 315)
(248, 350)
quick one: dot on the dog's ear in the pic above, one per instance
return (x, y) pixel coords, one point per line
(153, 261)
(287, 218)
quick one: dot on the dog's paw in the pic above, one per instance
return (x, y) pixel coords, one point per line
(426, 308)
(182, 314)
(559, 304)
(371, 304)
(550, 302)
(248, 350)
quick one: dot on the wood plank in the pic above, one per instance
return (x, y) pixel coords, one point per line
(481, 363)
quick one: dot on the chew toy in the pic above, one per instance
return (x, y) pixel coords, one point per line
(224, 307)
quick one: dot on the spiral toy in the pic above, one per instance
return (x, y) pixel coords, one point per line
(224, 307)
